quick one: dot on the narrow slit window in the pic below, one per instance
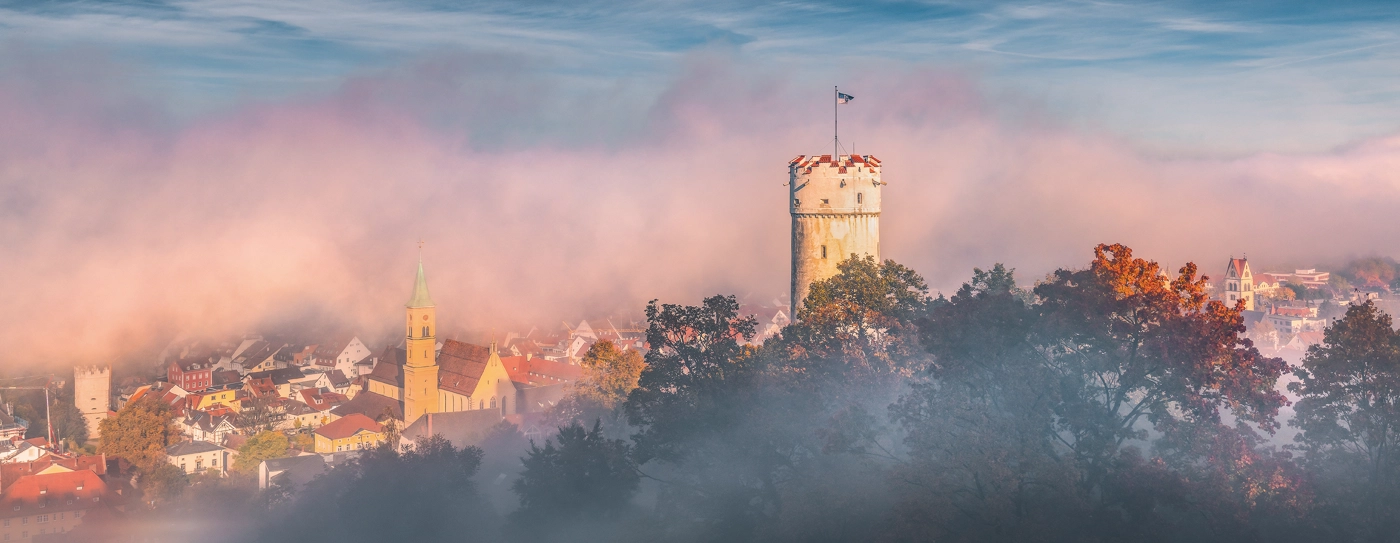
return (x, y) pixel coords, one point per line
(823, 251)
(860, 198)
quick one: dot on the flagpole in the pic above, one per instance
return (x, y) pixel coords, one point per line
(836, 124)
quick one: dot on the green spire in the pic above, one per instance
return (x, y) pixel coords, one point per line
(420, 290)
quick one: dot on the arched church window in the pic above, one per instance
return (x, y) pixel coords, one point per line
(481, 404)
(493, 402)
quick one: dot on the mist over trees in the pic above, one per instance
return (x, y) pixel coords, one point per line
(1114, 402)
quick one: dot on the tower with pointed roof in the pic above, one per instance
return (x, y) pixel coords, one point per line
(1239, 283)
(835, 208)
(420, 369)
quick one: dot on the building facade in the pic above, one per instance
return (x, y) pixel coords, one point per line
(92, 395)
(1239, 284)
(835, 208)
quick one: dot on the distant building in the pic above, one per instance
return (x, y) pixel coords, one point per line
(192, 374)
(1293, 320)
(293, 472)
(1239, 284)
(350, 433)
(92, 395)
(51, 502)
(197, 456)
(835, 208)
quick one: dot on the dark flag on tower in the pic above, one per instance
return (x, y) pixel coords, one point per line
(842, 98)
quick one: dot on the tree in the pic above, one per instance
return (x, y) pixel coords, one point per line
(694, 362)
(609, 374)
(266, 445)
(1126, 345)
(139, 432)
(425, 493)
(586, 476)
(262, 414)
(163, 484)
(1348, 412)
(859, 323)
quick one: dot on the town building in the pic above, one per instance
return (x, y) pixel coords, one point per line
(1293, 320)
(92, 395)
(349, 433)
(1239, 284)
(191, 374)
(835, 208)
(53, 501)
(198, 456)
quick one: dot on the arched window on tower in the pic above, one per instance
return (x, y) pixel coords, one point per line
(425, 331)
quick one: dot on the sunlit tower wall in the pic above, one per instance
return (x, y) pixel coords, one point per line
(92, 392)
(835, 207)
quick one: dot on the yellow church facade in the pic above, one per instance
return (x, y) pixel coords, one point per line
(427, 377)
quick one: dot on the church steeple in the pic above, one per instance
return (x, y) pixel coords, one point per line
(420, 289)
(420, 370)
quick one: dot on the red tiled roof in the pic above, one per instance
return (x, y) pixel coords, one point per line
(348, 425)
(461, 365)
(51, 492)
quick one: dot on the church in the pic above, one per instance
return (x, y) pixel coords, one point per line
(424, 376)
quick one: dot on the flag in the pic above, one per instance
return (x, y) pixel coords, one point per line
(842, 98)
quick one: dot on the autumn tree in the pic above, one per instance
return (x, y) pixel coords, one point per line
(609, 375)
(139, 432)
(266, 445)
(1348, 414)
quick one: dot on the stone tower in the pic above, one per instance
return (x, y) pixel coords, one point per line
(420, 370)
(92, 392)
(1239, 284)
(835, 206)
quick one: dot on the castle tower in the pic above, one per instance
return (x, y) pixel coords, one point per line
(92, 393)
(1239, 284)
(835, 206)
(420, 371)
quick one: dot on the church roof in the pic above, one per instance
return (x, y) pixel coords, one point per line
(420, 290)
(390, 367)
(461, 366)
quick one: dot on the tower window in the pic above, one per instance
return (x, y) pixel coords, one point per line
(860, 198)
(826, 201)
(823, 251)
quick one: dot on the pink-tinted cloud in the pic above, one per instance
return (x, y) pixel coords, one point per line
(120, 228)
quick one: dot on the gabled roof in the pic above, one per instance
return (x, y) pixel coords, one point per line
(321, 401)
(461, 365)
(51, 492)
(191, 447)
(371, 405)
(349, 425)
(390, 367)
(280, 376)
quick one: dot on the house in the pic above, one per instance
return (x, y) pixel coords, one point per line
(281, 379)
(17, 451)
(354, 352)
(208, 400)
(1292, 320)
(51, 463)
(299, 415)
(350, 433)
(319, 400)
(334, 381)
(10, 425)
(380, 408)
(262, 356)
(169, 394)
(197, 456)
(51, 502)
(192, 374)
(202, 426)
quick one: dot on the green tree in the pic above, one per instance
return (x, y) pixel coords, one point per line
(586, 475)
(163, 484)
(1348, 414)
(139, 432)
(266, 445)
(425, 493)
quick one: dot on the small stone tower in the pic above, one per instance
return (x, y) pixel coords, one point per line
(835, 206)
(92, 392)
(420, 370)
(1239, 284)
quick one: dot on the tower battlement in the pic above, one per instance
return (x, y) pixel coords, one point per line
(835, 208)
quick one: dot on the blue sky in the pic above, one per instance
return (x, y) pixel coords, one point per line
(1200, 77)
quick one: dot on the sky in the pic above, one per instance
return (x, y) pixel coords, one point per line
(210, 167)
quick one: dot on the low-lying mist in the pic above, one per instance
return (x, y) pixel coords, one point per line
(122, 225)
